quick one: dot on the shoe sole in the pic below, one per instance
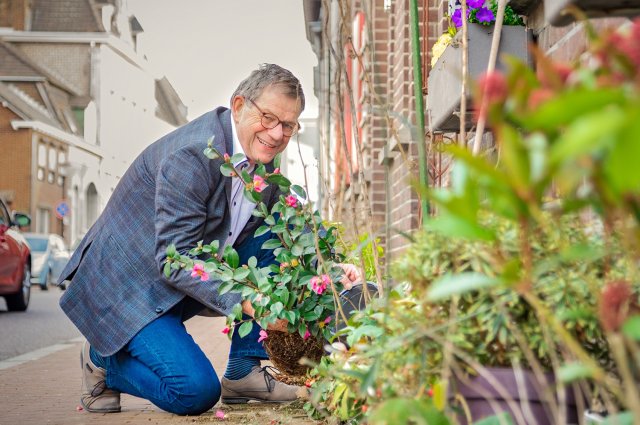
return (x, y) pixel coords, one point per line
(245, 400)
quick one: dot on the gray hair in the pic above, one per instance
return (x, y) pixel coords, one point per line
(268, 75)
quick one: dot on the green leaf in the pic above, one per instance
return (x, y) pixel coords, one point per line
(252, 196)
(240, 274)
(278, 228)
(455, 226)
(171, 250)
(621, 165)
(631, 328)
(449, 285)
(278, 179)
(211, 153)
(260, 170)
(277, 160)
(299, 190)
(276, 308)
(403, 411)
(227, 169)
(297, 249)
(245, 328)
(253, 262)
(570, 372)
(624, 418)
(503, 418)
(272, 244)
(167, 269)
(231, 257)
(586, 135)
(237, 157)
(261, 231)
(569, 106)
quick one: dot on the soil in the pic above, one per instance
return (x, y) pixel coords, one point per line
(285, 351)
(259, 414)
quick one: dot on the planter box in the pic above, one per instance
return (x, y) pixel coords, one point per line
(554, 9)
(445, 79)
(527, 397)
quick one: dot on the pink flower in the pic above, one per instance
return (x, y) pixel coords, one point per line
(291, 201)
(307, 334)
(226, 157)
(198, 271)
(276, 171)
(259, 184)
(220, 414)
(319, 283)
(226, 330)
(327, 320)
(263, 335)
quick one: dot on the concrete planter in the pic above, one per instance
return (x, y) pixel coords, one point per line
(445, 79)
(554, 10)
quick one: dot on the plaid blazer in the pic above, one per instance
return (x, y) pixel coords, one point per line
(172, 193)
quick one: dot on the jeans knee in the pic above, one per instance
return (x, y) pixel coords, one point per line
(199, 395)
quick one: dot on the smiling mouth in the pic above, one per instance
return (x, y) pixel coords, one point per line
(265, 143)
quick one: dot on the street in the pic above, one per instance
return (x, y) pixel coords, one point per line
(42, 325)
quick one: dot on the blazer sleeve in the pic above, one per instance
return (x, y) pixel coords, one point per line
(185, 184)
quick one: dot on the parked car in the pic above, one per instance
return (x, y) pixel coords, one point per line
(15, 260)
(49, 255)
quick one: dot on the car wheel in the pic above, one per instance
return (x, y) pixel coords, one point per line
(20, 300)
(45, 285)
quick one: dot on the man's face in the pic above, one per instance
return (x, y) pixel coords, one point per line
(259, 143)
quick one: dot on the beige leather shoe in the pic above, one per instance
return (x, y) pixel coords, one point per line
(96, 397)
(260, 386)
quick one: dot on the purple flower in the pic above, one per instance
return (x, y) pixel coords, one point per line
(475, 3)
(485, 15)
(457, 18)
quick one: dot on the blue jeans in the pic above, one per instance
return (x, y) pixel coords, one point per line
(163, 364)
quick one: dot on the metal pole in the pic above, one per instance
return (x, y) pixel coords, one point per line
(417, 86)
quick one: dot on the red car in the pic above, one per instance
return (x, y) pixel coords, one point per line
(15, 260)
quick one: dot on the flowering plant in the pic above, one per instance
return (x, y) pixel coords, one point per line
(302, 289)
(478, 12)
(481, 12)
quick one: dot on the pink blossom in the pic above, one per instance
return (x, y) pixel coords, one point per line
(327, 320)
(226, 157)
(198, 271)
(307, 334)
(259, 184)
(276, 171)
(263, 335)
(220, 414)
(319, 283)
(226, 330)
(291, 201)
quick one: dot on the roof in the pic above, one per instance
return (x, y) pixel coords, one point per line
(170, 107)
(24, 106)
(66, 16)
(15, 65)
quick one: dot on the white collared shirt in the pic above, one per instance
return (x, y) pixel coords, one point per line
(240, 207)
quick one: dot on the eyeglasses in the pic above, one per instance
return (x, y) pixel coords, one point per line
(270, 121)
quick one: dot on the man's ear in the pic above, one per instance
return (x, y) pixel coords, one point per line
(237, 107)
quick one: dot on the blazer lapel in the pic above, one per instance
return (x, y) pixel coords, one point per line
(228, 139)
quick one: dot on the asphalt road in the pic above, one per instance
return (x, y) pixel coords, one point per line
(42, 325)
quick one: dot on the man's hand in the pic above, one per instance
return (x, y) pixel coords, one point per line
(351, 275)
(279, 325)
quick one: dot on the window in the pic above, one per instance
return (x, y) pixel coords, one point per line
(42, 155)
(40, 174)
(53, 158)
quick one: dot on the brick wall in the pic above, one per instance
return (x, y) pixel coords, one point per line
(15, 162)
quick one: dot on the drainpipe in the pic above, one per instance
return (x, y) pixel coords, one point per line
(417, 86)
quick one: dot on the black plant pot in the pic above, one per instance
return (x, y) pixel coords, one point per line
(527, 402)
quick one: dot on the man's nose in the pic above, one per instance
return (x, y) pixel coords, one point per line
(276, 132)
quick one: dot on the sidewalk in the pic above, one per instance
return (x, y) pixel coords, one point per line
(47, 390)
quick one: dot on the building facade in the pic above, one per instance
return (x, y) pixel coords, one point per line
(365, 84)
(103, 104)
